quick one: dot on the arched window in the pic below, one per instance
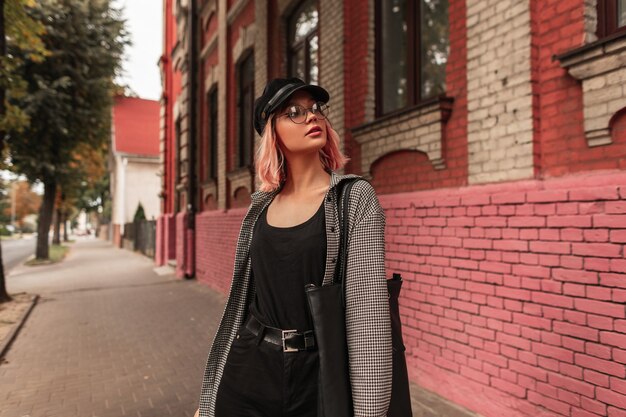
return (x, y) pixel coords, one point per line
(303, 41)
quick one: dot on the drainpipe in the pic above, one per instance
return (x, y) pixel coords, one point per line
(192, 137)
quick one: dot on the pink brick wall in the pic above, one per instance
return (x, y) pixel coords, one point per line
(514, 294)
(181, 243)
(169, 236)
(159, 249)
(216, 239)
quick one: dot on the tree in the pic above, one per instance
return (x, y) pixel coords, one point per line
(68, 96)
(25, 201)
(140, 214)
(21, 33)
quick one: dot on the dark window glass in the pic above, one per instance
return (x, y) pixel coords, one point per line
(244, 107)
(211, 166)
(621, 13)
(177, 132)
(394, 55)
(412, 50)
(303, 42)
(611, 17)
(434, 47)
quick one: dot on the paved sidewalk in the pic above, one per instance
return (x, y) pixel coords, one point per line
(109, 337)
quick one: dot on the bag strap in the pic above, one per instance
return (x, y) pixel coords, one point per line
(343, 199)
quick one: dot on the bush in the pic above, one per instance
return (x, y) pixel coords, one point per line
(139, 213)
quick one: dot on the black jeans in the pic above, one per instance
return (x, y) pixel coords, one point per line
(260, 380)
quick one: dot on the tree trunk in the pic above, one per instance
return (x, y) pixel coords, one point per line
(65, 233)
(56, 235)
(45, 218)
(4, 295)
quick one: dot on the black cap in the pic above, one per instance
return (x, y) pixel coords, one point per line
(276, 92)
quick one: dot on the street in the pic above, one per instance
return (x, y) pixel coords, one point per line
(109, 337)
(15, 251)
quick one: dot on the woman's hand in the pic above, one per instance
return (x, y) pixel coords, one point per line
(197, 413)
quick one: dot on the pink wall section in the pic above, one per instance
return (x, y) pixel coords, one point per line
(181, 244)
(216, 238)
(514, 293)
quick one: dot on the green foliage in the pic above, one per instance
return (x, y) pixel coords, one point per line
(140, 214)
(23, 36)
(68, 95)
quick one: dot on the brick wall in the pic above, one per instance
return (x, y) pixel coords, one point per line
(216, 239)
(560, 144)
(181, 243)
(499, 94)
(514, 294)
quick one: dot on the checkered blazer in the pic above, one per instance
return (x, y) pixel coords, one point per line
(368, 326)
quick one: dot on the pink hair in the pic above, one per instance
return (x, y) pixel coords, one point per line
(270, 161)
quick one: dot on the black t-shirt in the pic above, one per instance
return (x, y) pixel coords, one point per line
(284, 260)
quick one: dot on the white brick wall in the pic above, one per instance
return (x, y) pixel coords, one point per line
(499, 90)
(331, 61)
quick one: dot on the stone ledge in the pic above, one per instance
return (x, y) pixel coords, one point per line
(241, 177)
(600, 66)
(418, 128)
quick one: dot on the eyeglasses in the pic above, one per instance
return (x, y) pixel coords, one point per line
(297, 113)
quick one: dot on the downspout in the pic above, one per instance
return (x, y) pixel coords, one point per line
(192, 137)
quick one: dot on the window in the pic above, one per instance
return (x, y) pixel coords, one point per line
(179, 162)
(211, 141)
(245, 103)
(412, 47)
(303, 43)
(611, 17)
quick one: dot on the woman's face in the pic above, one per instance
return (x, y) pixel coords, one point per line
(293, 137)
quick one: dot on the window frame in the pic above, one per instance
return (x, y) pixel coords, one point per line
(607, 19)
(293, 48)
(242, 89)
(210, 170)
(414, 60)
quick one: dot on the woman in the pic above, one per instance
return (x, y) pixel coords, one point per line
(263, 361)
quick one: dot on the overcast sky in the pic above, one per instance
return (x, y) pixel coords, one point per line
(144, 20)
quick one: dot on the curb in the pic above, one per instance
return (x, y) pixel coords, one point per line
(6, 343)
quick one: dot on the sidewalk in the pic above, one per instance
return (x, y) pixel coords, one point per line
(109, 337)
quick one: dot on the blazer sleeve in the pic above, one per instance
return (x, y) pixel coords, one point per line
(368, 325)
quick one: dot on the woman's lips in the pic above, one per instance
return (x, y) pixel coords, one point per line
(314, 132)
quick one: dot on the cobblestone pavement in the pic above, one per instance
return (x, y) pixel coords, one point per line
(109, 337)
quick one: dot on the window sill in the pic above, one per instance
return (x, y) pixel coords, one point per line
(240, 177)
(600, 68)
(209, 189)
(418, 128)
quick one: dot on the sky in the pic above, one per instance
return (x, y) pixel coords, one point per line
(144, 20)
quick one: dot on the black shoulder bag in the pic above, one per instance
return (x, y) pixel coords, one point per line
(327, 307)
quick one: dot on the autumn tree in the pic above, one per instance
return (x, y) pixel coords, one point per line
(23, 201)
(20, 33)
(68, 96)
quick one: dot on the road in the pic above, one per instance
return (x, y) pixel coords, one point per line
(15, 251)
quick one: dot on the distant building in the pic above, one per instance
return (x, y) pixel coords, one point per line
(134, 161)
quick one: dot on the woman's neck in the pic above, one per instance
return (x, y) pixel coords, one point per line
(305, 175)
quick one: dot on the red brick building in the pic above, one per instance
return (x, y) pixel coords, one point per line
(493, 132)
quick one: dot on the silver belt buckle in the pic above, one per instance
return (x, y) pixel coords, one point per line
(285, 348)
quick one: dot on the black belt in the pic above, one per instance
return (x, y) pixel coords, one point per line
(289, 340)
